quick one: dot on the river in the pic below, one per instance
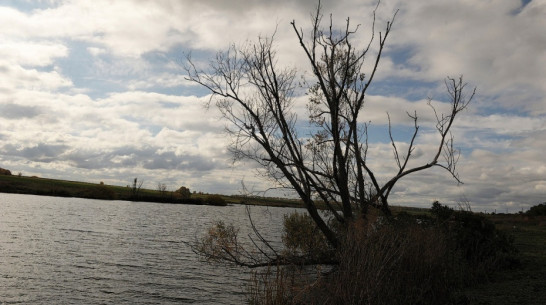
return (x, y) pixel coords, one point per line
(81, 251)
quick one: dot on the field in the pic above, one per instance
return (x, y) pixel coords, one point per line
(55, 187)
(64, 188)
(523, 284)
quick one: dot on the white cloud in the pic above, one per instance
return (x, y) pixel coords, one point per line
(96, 51)
(16, 77)
(96, 85)
(164, 80)
(33, 54)
(497, 49)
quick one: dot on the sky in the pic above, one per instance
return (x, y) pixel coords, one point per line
(96, 91)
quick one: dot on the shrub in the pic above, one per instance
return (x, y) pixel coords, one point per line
(301, 236)
(220, 239)
(4, 171)
(442, 212)
(412, 259)
(537, 210)
(479, 240)
(476, 239)
(388, 265)
(184, 192)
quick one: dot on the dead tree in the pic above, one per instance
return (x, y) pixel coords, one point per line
(135, 188)
(257, 97)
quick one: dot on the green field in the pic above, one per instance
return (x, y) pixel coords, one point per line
(64, 188)
(61, 188)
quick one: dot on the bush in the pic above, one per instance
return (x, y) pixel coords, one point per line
(184, 192)
(301, 236)
(537, 210)
(4, 171)
(221, 239)
(216, 200)
(442, 212)
(412, 259)
(389, 265)
(476, 239)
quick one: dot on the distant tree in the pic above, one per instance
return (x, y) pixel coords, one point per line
(4, 171)
(537, 210)
(135, 188)
(184, 192)
(162, 189)
(328, 164)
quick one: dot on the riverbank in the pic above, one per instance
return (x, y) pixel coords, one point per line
(16, 184)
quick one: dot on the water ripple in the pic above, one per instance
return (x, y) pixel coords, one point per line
(78, 251)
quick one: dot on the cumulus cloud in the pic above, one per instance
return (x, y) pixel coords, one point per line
(27, 53)
(487, 45)
(95, 90)
(14, 111)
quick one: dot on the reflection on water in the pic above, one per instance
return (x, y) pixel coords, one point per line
(80, 251)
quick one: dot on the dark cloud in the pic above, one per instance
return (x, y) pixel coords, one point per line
(147, 158)
(14, 111)
(188, 162)
(39, 153)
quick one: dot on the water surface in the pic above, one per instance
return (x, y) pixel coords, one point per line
(80, 251)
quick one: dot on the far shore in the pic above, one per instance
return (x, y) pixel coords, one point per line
(18, 184)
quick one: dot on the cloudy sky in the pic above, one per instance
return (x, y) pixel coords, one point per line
(95, 90)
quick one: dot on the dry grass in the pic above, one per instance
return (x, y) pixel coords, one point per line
(388, 264)
(281, 284)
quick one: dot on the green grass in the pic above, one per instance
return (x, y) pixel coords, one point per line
(66, 188)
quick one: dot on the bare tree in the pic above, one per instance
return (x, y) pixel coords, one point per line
(162, 189)
(257, 97)
(135, 188)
